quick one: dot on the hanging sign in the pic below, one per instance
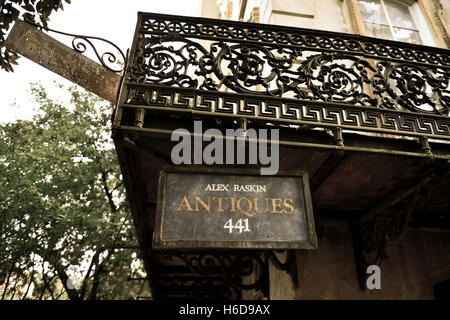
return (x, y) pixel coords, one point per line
(232, 208)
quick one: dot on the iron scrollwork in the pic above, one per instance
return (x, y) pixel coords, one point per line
(204, 275)
(281, 75)
(289, 265)
(219, 274)
(390, 220)
(419, 89)
(231, 31)
(80, 43)
(370, 236)
(289, 75)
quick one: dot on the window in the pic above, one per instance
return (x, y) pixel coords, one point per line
(394, 20)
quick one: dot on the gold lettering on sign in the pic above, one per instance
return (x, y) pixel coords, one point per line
(256, 205)
(219, 200)
(242, 205)
(184, 202)
(233, 208)
(249, 207)
(204, 205)
(288, 205)
(275, 205)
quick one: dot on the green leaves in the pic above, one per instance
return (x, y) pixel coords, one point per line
(10, 10)
(28, 7)
(58, 173)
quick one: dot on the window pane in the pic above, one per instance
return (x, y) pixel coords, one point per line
(399, 14)
(378, 31)
(407, 35)
(371, 11)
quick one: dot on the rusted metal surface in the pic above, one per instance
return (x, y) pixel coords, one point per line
(37, 46)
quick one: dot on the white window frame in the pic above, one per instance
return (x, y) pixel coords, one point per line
(418, 19)
(421, 24)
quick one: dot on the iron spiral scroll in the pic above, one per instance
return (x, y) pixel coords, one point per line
(80, 43)
(288, 76)
(209, 275)
(291, 73)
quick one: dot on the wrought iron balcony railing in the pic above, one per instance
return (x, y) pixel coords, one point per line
(285, 75)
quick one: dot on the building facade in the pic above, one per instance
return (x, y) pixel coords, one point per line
(422, 259)
(379, 181)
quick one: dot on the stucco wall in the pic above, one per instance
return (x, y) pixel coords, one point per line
(330, 271)
(446, 11)
(323, 15)
(334, 15)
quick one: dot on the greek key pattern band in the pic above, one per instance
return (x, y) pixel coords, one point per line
(289, 111)
(286, 75)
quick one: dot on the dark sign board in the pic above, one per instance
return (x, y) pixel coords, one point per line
(211, 208)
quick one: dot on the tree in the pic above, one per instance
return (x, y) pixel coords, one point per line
(33, 9)
(64, 215)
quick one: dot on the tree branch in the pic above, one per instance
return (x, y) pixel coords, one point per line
(31, 279)
(46, 284)
(94, 261)
(7, 280)
(107, 191)
(51, 258)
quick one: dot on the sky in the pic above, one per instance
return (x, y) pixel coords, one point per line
(114, 20)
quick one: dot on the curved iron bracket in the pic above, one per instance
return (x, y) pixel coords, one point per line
(389, 221)
(289, 265)
(80, 44)
(208, 275)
